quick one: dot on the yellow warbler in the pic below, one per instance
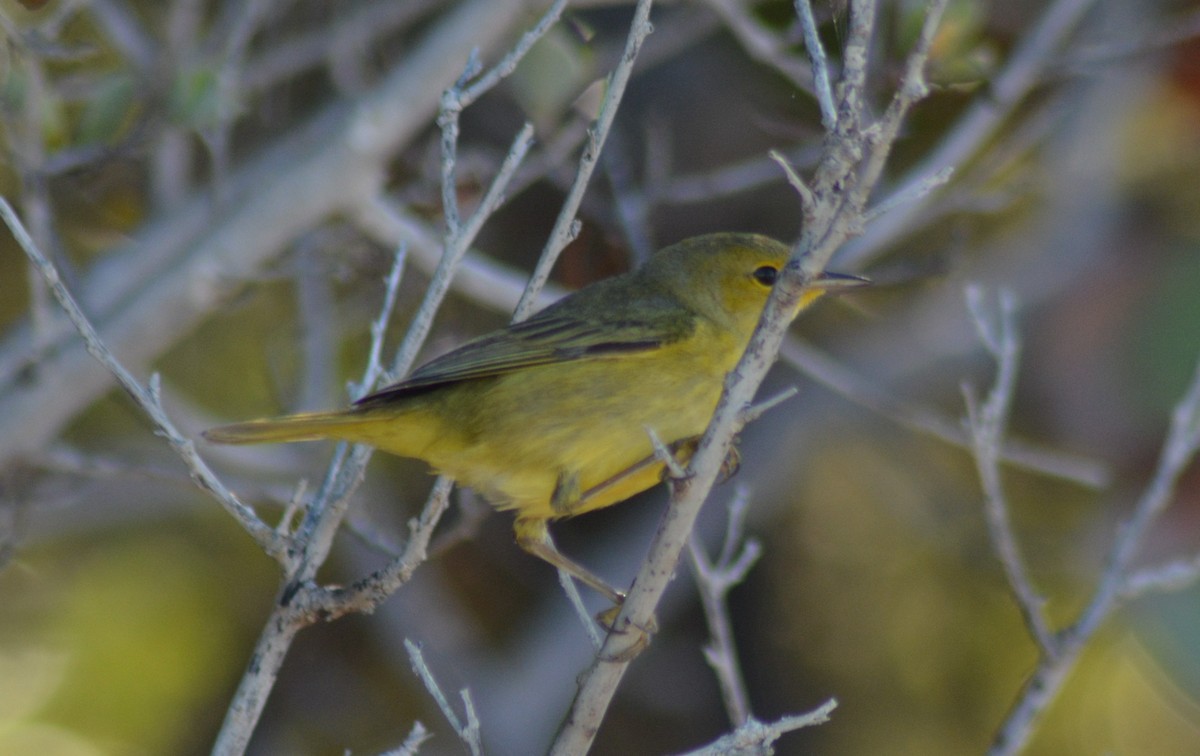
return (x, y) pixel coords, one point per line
(549, 417)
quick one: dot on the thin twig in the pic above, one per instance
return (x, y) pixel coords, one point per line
(324, 520)
(1172, 576)
(1179, 451)
(457, 245)
(734, 178)
(912, 89)
(715, 580)
(468, 732)
(481, 279)
(807, 200)
(146, 398)
(820, 69)
(755, 411)
(987, 425)
(566, 225)
(391, 288)
(365, 594)
(509, 62)
(754, 737)
(664, 455)
(412, 742)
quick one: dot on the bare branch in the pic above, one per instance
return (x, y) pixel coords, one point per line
(412, 742)
(374, 367)
(1172, 576)
(664, 455)
(987, 426)
(458, 241)
(807, 200)
(714, 581)
(756, 737)
(729, 180)
(566, 226)
(468, 732)
(509, 62)
(146, 398)
(755, 411)
(589, 624)
(1117, 582)
(912, 194)
(820, 69)
(912, 90)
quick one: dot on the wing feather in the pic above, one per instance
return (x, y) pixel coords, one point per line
(557, 334)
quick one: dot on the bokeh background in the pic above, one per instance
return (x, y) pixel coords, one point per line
(129, 602)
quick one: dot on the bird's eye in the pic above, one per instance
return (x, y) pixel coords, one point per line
(766, 275)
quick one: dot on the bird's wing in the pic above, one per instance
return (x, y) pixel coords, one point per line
(552, 336)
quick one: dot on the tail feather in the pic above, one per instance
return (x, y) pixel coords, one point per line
(308, 426)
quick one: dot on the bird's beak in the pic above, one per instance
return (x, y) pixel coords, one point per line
(832, 283)
(826, 283)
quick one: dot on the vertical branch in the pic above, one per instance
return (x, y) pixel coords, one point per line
(816, 53)
(715, 581)
(913, 89)
(1179, 451)
(987, 425)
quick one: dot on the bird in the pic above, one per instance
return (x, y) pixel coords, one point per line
(552, 417)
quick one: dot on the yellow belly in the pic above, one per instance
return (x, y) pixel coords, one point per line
(513, 439)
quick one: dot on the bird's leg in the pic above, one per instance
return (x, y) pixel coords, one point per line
(534, 537)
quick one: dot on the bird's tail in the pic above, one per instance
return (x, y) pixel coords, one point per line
(306, 426)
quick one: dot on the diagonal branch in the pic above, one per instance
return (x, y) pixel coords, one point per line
(566, 226)
(146, 397)
(835, 219)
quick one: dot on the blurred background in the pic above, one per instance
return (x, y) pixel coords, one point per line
(179, 162)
